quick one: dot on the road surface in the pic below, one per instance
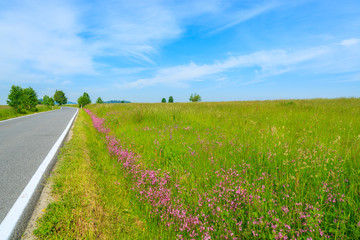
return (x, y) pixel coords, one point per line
(24, 143)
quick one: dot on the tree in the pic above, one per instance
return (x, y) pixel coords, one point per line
(84, 100)
(60, 97)
(22, 99)
(171, 99)
(15, 98)
(48, 101)
(30, 99)
(163, 100)
(99, 100)
(51, 102)
(87, 98)
(195, 97)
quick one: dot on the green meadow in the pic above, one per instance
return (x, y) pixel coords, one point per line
(286, 169)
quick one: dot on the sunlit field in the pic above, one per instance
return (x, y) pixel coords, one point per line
(234, 170)
(269, 169)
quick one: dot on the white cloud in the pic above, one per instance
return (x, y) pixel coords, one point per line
(329, 59)
(60, 38)
(272, 62)
(130, 28)
(350, 42)
(48, 40)
(245, 14)
(41, 37)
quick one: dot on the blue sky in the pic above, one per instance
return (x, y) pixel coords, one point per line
(143, 51)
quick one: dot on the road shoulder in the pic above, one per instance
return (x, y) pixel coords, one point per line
(45, 198)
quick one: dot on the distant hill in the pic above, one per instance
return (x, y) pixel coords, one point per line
(117, 101)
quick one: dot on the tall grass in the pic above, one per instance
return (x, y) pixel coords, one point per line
(267, 169)
(7, 112)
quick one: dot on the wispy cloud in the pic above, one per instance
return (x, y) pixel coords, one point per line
(350, 42)
(63, 38)
(272, 62)
(246, 14)
(263, 64)
(42, 38)
(130, 28)
(355, 77)
(78, 43)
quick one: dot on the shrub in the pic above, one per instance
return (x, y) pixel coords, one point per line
(195, 97)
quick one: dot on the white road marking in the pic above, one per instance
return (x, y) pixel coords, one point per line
(10, 222)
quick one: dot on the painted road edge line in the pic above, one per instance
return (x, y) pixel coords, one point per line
(15, 221)
(29, 115)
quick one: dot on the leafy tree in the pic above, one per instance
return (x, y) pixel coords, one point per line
(163, 100)
(51, 102)
(84, 100)
(87, 97)
(30, 99)
(48, 101)
(171, 99)
(15, 98)
(60, 97)
(99, 100)
(22, 99)
(81, 101)
(195, 97)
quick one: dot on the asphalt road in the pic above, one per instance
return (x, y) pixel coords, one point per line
(24, 143)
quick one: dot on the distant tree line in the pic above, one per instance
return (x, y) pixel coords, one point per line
(193, 98)
(117, 101)
(85, 100)
(26, 99)
(171, 100)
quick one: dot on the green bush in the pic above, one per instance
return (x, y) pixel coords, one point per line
(22, 99)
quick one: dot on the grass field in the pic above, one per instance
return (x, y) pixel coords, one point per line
(234, 170)
(7, 112)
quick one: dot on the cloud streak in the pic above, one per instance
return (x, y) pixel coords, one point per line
(262, 64)
(246, 14)
(272, 62)
(350, 42)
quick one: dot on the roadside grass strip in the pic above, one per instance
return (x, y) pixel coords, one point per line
(7, 112)
(89, 203)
